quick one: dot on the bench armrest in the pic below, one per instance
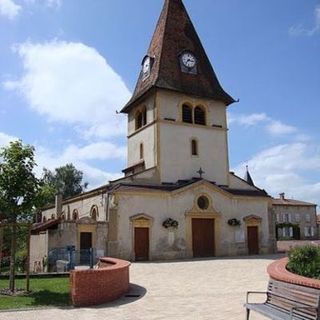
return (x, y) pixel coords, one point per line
(254, 292)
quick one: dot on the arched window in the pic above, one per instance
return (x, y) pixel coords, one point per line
(75, 215)
(94, 213)
(141, 118)
(199, 116)
(44, 219)
(53, 216)
(186, 113)
(141, 151)
(194, 147)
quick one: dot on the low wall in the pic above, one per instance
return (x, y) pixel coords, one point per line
(277, 271)
(286, 245)
(108, 282)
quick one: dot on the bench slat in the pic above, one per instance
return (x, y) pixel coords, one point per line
(281, 297)
(273, 313)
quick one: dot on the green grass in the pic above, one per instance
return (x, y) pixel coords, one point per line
(51, 292)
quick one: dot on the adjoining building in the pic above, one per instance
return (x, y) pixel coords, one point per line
(178, 198)
(295, 219)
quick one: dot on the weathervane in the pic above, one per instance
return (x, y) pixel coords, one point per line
(201, 173)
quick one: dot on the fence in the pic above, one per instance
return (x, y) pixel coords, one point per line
(66, 259)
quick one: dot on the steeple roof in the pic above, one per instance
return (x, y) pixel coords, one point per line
(174, 34)
(248, 178)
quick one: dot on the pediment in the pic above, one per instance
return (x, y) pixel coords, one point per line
(252, 218)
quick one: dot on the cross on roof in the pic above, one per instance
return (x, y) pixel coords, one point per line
(201, 173)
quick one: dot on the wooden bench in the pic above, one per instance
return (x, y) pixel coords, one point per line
(287, 301)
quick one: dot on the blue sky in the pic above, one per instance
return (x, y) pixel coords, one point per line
(66, 66)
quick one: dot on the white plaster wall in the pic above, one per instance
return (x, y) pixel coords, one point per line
(168, 206)
(149, 104)
(38, 249)
(170, 103)
(176, 161)
(83, 206)
(147, 138)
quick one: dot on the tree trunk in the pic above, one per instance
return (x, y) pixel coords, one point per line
(28, 260)
(1, 245)
(13, 257)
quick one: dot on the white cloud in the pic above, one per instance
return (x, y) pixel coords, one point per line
(5, 139)
(284, 168)
(72, 83)
(301, 30)
(248, 120)
(9, 9)
(273, 127)
(279, 128)
(49, 3)
(81, 157)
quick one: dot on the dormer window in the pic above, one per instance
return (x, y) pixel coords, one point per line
(147, 63)
(141, 118)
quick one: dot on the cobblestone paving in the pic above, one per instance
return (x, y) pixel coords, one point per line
(212, 289)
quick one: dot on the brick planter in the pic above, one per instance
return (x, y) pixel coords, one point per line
(97, 286)
(277, 271)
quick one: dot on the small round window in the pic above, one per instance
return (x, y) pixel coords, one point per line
(203, 203)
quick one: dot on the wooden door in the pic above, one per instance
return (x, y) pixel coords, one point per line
(141, 244)
(253, 240)
(203, 237)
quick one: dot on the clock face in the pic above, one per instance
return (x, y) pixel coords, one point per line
(189, 60)
(146, 65)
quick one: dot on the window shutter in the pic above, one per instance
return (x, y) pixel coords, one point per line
(291, 232)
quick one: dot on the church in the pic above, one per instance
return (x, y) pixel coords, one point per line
(178, 198)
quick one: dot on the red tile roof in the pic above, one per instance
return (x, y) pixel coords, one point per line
(291, 202)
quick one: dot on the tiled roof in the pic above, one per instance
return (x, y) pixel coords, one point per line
(174, 34)
(43, 226)
(184, 183)
(291, 202)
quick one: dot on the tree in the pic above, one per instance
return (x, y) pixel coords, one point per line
(18, 189)
(65, 180)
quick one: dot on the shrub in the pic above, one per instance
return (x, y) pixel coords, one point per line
(305, 261)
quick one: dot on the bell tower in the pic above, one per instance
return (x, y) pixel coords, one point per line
(177, 114)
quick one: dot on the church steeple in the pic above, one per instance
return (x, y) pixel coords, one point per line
(248, 178)
(176, 60)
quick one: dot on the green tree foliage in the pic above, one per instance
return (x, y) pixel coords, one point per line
(18, 190)
(65, 180)
(18, 183)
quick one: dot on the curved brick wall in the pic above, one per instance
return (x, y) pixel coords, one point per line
(277, 270)
(97, 286)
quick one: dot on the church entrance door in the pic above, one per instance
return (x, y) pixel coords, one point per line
(141, 244)
(85, 246)
(203, 238)
(253, 240)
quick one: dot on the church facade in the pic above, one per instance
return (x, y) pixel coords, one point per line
(178, 198)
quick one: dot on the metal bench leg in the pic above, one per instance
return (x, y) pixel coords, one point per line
(248, 314)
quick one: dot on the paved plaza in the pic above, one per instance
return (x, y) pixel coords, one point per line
(200, 289)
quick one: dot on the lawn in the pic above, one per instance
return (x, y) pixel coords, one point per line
(45, 292)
